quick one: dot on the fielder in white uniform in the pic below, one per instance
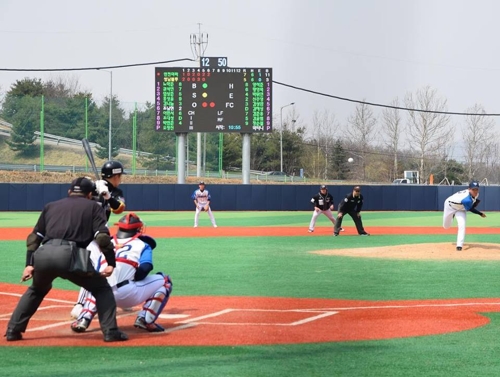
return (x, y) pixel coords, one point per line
(457, 205)
(130, 281)
(201, 198)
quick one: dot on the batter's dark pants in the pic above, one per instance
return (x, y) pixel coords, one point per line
(356, 219)
(51, 262)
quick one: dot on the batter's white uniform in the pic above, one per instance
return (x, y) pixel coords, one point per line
(457, 206)
(202, 198)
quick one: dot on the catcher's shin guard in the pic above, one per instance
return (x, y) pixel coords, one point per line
(154, 305)
(89, 309)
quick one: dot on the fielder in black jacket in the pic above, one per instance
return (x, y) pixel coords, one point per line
(351, 205)
(323, 204)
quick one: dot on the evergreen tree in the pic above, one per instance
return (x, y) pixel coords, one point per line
(339, 162)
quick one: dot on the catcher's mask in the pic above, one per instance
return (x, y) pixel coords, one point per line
(130, 223)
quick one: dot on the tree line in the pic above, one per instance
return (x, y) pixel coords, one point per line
(382, 146)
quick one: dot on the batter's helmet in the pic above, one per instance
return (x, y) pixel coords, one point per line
(112, 168)
(130, 221)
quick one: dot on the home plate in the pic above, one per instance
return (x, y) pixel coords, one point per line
(173, 316)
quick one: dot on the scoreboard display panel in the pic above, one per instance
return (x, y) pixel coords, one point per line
(213, 99)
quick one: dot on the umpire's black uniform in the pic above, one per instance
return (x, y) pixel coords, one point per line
(74, 221)
(352, 205)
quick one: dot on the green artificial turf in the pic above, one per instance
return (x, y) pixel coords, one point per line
(285, 267)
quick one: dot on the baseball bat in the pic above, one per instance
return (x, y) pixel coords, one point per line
(90, 156)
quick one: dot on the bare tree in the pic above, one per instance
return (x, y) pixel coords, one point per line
(478, 138)
(325, 131)
(62, 86)
(492, 168)
(428, 131)
(360, 131)
(392, 129)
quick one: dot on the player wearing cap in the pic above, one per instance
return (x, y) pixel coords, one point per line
(457, 205)
(351, 205)
(130, 281)
(201, 198)
(323, 204)
(66, 226)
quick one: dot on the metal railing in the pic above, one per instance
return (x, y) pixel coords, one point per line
(149, 172)
(54, 139)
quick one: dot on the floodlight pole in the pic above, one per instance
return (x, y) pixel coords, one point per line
(281, 134)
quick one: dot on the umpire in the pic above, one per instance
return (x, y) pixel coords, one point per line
(71, 222)
(351, 205)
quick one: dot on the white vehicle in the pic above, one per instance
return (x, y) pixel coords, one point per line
(400, 181)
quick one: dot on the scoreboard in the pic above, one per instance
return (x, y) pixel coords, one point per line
(213, 99)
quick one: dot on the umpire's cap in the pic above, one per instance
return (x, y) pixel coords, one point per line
(322, 187)
(111, 168)
(82, 185)
(474, 184)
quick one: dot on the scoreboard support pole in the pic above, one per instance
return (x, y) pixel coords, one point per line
(245, 158)
(198, 154)
(181, 157)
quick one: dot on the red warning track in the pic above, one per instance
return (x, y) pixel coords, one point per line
(12, 234)
(208, 321)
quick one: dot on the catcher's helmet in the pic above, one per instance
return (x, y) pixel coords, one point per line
(130, 222)
(112, 168)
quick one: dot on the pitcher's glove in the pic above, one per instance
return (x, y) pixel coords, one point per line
(476, 203)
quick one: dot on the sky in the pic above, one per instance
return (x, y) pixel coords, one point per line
(362, 50)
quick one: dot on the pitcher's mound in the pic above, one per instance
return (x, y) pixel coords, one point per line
(445, 251)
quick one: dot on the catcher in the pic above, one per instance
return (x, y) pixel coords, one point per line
(130, 281)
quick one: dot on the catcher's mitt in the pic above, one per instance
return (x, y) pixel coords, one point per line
(476, 203)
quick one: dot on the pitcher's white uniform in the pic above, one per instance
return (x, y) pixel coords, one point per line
(457, 206)
(202, 199)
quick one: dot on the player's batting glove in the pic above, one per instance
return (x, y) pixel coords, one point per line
(102, 189)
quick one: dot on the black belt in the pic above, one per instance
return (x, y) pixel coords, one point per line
(59, 242)
(56, 242)
(458, 204)
(121, 284)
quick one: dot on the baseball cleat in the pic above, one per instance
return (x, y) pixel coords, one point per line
(140, 323)
(81, 325)
(341, 229)
(364, 234)
(335, 234)
(459, 248)
(75, 312)
(310, 230)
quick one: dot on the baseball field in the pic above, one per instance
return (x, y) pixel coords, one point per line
(260, 296)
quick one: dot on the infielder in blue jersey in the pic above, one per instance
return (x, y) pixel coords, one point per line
(201, 198)
(457, 205)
